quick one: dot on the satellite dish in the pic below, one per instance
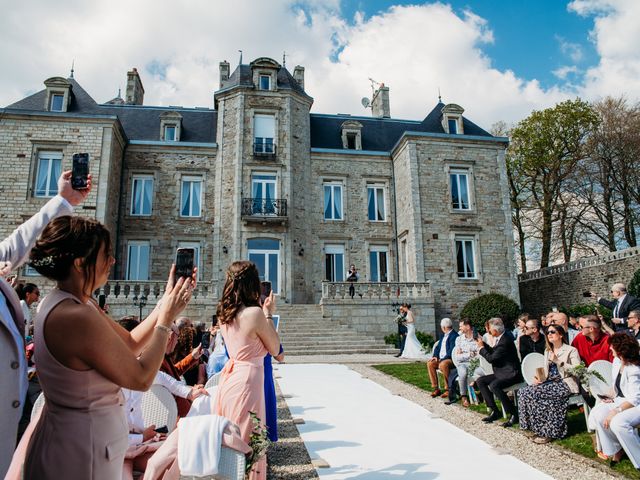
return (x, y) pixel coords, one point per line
(366, 103)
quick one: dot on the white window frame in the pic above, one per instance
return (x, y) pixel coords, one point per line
(333, 250)
(29, 271)
(166, 129)
(333, 186)
(376, 187)
(197, 258)
(49, 156)
(138, 244)
(465, 240)
(52, 97)
(191, 179)
(144, 179)
(263, 76)
(267, 144)
(458, 172)
(378, 249)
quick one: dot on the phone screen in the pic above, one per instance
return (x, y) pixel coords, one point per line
(80, 171)
(265, 289)
(206, 340)
(184, 262)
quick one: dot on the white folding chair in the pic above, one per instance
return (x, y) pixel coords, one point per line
(485, 365)
(213, 380)
(596, 386)
(159, 408)
(230, 467)
(530, 364)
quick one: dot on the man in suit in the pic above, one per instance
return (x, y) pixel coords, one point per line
(503, 357)
(14, 251)
(441, 360)
(620, 306)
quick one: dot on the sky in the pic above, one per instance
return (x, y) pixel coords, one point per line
(499, 60)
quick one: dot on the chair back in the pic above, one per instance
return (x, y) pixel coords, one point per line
(485, 365)
(213, 380)
(596, 386)
(37, 406)
(530, 364)
(159, 408)
(230, 466)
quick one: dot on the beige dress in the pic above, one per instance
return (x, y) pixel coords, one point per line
(82, 432)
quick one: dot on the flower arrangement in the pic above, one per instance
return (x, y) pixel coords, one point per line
(259, 443)
(474, 363)
(582, 374)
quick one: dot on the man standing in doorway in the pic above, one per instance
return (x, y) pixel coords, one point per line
(352, 276)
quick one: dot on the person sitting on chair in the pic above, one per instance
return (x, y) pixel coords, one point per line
(464, 351)
(592, 343)
(503, 357)
(532, 341)
(441, 359)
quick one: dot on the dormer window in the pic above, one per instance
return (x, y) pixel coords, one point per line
(352, 135)
(58, 95)
(452, 119)
(265, 82)
(170, 126)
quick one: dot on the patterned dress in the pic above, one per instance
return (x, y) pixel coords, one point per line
(543, 408)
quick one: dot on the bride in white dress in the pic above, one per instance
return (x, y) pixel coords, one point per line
(412, 347)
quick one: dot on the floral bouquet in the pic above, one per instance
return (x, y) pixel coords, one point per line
(582, 374)
(474, 363)
(259, 443)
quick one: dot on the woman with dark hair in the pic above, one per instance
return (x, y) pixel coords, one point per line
(614, 418)
(28, 294)
(542, 407)
(249, 334)
(84, 357)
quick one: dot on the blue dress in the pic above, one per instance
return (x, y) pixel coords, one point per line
(270, 399)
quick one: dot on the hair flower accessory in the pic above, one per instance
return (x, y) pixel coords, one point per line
(43, 262)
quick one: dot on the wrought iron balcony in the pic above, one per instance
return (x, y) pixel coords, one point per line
(264, 149)
(264, 209)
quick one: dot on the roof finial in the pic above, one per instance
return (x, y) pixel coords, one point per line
(119, 92)
(284, 59)
(73, 62)
(240, 57)
(439, 96)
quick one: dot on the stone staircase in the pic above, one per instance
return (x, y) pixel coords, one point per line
(304, 331)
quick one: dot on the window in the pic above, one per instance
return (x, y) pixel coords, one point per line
(142, 195)
(264, 133)
(453, 126)
(57, 102)
(265, 82)
(49, 170)
(375, 208)
(265, 253)
(170, 133)
(351, 135)
(459, 179)
(191, 197)
(351, 141)
(29, 271)
(263, 192)
(378, 264)
(466, 257)
(333, 201)
(196, 254)
(334, 263)
(138, 260)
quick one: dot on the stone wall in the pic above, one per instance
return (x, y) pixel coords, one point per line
(562, 285)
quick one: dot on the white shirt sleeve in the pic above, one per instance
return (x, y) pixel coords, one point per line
(173, 385)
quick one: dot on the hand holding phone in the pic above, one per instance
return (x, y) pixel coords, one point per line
(587, 294)
(265, 289)
(80, 171)
(184, 263)
(163, 429)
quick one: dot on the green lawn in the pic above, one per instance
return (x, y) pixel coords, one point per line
(578, 440)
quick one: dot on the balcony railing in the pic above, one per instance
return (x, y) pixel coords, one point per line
(387, 291)
(264, 149)
(264, 207)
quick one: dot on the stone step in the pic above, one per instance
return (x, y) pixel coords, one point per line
(363, 350)
(332, 333)
(330, 342)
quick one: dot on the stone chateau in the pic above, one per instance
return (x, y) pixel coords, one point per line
(419, 206)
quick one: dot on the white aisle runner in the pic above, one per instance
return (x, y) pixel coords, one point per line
(365, 432)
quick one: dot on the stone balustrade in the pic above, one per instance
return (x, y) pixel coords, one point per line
(387, 291)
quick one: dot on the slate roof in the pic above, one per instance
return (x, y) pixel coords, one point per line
(139, 122)
(380, 134)
(243, 77)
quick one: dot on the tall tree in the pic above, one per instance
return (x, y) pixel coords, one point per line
(547, 147)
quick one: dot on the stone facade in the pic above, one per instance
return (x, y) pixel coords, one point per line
(404, 166)
(563, 285)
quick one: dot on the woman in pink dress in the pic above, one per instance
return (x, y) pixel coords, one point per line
(84, 357)
(249, 334)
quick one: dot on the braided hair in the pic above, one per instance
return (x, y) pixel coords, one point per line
(241, 289)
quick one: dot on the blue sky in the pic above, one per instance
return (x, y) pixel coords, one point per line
(498, 60)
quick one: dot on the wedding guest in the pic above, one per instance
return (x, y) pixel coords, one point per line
(615, 417)
(633, 321)
(533, 341)
(84, 357)
(520, 326)
(441, 360)
(465, 350)
(14, 252)
(592, 343)
(620, 306)
(562, 319)
(28, 293)
(487, 337)
(542, 407)
(352, 276)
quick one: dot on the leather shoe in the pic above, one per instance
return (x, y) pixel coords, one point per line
(492, 417)
(513, 419)
(451, 402)
(436, 393)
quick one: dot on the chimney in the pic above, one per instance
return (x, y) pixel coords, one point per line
(380, 103)
(298, 75)
(135, 90)
(224, 72)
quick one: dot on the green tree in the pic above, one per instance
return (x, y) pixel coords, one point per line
(547, 147)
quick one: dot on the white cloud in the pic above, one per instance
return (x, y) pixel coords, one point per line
(570, 49)
(563, 72)
(415, 50)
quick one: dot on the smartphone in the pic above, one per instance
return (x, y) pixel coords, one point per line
(80, 171)
(102, 300)
(603, 397)
(162, 430)
(586, 294)
(475, 333)
(184, 262)
(265, 289)
(206, 340)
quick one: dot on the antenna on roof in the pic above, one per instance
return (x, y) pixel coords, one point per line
(119, 92)
(374, 84)
(439, 96)
(240, 57)
(284, 59)
(73, 62)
